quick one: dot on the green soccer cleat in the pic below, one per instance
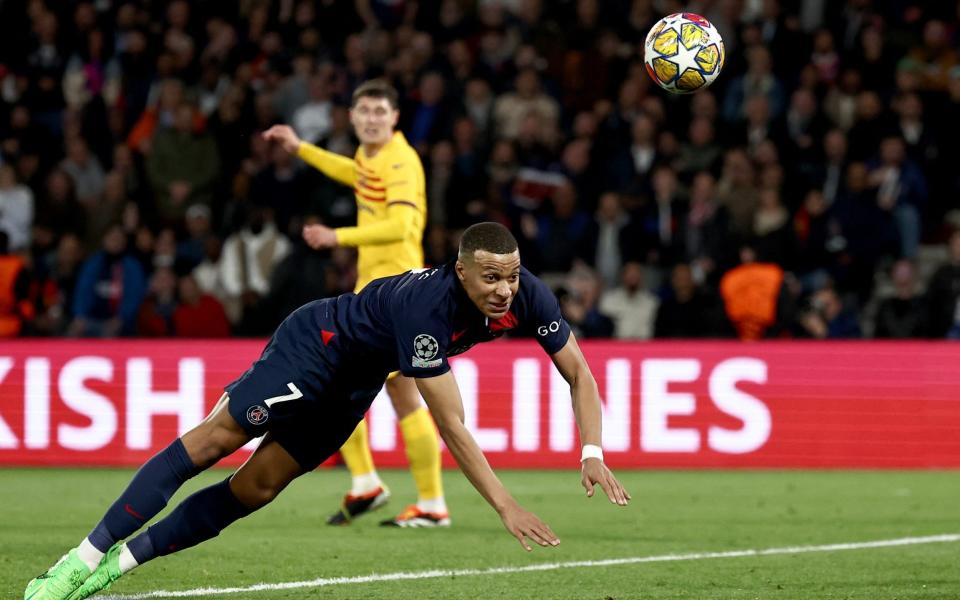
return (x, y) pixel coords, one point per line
(60, 580)
(106, 573)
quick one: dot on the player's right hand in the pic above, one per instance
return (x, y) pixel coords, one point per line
(523, 524)
(283, 135)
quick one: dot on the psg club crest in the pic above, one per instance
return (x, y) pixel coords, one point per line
(257, 415)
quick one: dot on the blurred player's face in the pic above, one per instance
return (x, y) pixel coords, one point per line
(491, 281)
(373, 120)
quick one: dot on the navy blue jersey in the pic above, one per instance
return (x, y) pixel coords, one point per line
(326, 362)
(414, 322)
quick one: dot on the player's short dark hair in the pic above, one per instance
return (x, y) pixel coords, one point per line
(489, 237)
(377, 88)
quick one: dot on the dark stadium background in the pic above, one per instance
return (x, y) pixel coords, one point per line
(825, 146)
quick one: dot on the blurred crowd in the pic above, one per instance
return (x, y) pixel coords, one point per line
(807, 193)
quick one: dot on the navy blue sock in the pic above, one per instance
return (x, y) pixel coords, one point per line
(201, 516)
(147, 494)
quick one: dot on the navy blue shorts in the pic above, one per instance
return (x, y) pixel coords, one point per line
(302, 390)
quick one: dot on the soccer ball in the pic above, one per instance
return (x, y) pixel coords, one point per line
(683, 53)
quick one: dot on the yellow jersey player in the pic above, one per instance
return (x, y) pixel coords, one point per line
(387, 178)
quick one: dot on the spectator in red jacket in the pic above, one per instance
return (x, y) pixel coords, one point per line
(199, 315)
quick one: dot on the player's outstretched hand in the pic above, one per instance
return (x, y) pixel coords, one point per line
(319, 237)
(595, 472)
(523, 524)
(283, 135)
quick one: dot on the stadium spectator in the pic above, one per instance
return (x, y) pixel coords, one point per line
(828, 317)
(609, 247)
(773, 234)
(340, 137)
(281, 185)
(708, 223)
(302, 275)
(701, 153)
(24, 141)
(155, 317)
(248, 259)
(579, 304)
(943, 291)
(631, 168)
(819, 239)
(107, 210)
(577, 166)
(632, 308)
(190, 249)
(869, 126)
(904, 314)
(478, 105)
(426, 116)
(758, 80)
(85, 171)
(799, 131)
(198, 315)
(840, 102)
(562, 234)
(751, 293)
(313, 120)
(827, 176)
(737, 193)
(16, 210)
(168, 95)
(935, 56)
(922, 143)
(689, 310)
(165, 252)
(527, 99)
(45, 62)
(657, 224)
(58, 209)
(210, 276)
(440, 176)
(756, 126)
(901, 191)
(53, 286)
(183, 166)
(110, 287)
(16, 310)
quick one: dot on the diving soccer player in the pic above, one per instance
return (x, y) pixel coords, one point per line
(311, 386)
(387, 178)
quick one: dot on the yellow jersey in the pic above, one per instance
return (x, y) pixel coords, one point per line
(391, 195)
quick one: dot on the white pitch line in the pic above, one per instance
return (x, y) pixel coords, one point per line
(437, 573)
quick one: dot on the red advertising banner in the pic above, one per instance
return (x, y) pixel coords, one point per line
(712, 404)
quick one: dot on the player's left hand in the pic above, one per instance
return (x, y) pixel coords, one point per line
(595, 472)
(319, 237)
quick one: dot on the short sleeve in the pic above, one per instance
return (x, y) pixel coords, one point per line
(421, 331)
(544, 319)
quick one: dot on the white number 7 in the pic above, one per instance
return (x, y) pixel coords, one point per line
(293, 395)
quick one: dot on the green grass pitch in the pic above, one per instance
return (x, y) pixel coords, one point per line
(46, 511)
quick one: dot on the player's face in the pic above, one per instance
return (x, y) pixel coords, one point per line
(373, 120)
(491, 281)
